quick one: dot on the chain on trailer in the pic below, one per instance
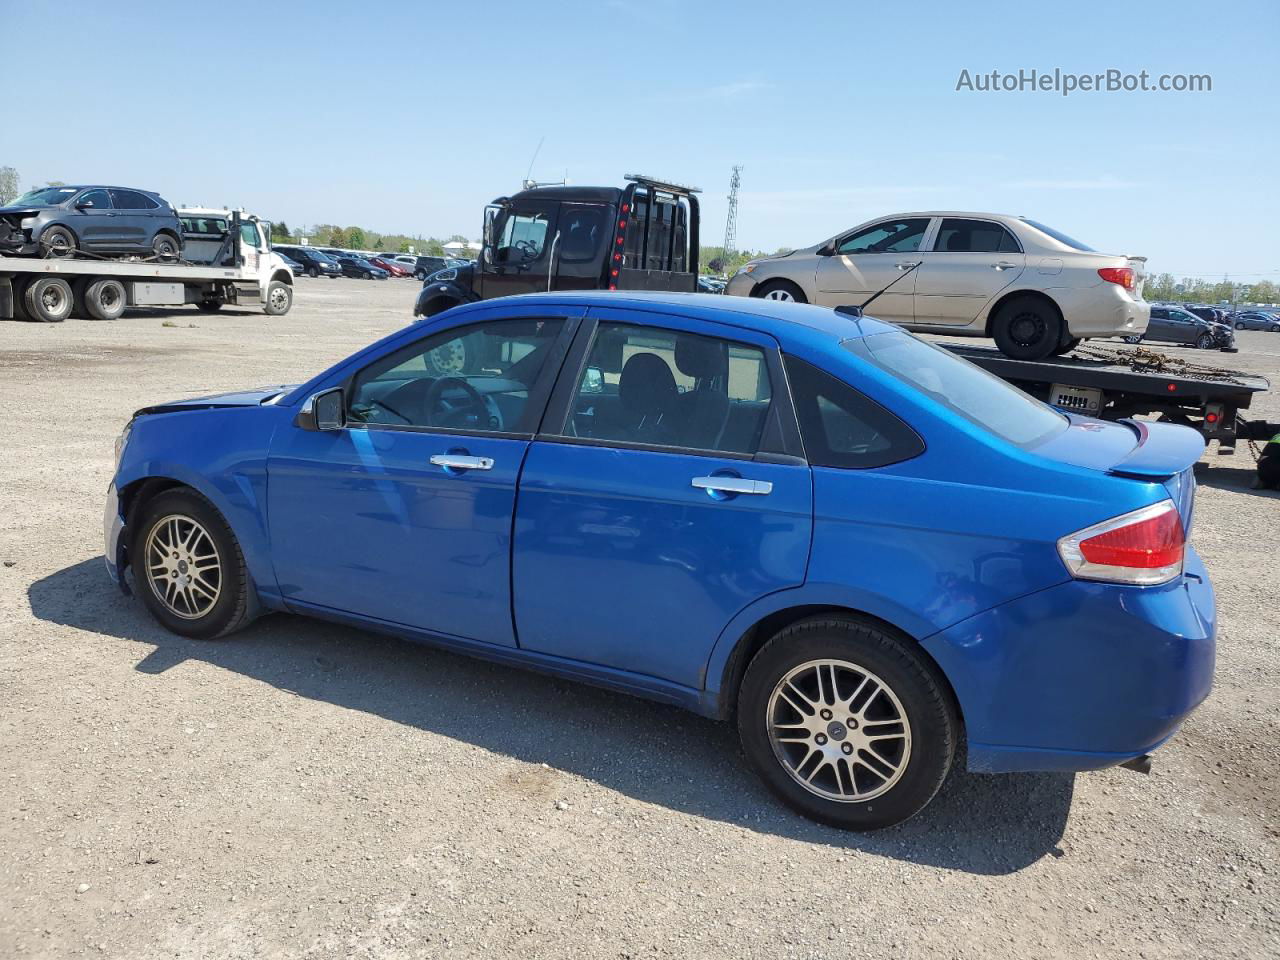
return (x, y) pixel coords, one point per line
(78, 254)
(1141, 360)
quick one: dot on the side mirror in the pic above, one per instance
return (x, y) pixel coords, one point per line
(826, 250)
(323, 411)
(593, 381)
(84, 205)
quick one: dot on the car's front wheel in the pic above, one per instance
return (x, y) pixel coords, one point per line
(1204, 341)
(58, 242)
(847, 723)
(783, 290)
(188, 566)
(312, 272)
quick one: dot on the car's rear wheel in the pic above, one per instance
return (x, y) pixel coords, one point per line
(49, 299)
(165, 247)
(847, 723)
(1204, 341)
(1239, 326)
(783, 290)
(105, 299)
(188, 566)
(58, 242)
(1027, 328)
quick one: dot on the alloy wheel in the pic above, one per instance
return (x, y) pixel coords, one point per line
(183, 566)
(780, 294)
(839, 730)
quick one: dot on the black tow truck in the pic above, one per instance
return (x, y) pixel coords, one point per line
(1118, 383)
(643, 236)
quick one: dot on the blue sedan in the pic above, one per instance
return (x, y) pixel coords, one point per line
(852, 544)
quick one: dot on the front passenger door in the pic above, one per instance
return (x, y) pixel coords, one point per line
(94, 224)
(409, 506)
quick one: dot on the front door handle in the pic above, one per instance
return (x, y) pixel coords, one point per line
(733, 485)
(1002, 265)
(457, 461)
(907, 265)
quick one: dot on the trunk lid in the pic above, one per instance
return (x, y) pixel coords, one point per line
(1162, 453)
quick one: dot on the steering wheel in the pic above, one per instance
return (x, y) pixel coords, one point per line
(527, 248)
(472, 413)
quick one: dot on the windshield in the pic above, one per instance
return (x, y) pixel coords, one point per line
(1060, 237)
(960, 386)
(47, 195)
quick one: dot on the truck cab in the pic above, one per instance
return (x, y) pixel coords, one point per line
(215, 236)
(643, 236)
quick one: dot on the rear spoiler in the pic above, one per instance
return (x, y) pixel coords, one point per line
(1164, 450)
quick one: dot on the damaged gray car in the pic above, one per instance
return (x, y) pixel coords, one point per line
(60, 221)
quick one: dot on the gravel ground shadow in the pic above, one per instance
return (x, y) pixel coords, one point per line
(982, 824)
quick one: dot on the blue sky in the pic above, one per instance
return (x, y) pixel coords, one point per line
(408, 117)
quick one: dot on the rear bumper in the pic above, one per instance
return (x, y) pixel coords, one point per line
(1082, 675)
(1102, 310)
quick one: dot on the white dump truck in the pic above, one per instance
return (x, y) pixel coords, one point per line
(226, 258)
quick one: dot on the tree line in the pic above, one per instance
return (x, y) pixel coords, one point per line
(1164, 286)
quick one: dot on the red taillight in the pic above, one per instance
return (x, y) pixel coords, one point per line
(1123, 276)
(1144, 547)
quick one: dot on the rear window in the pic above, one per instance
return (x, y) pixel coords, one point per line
(962, 387)
(1060, 237)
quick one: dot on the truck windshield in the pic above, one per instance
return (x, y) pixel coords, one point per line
(46, 195)
(961, 387)
(523, 236)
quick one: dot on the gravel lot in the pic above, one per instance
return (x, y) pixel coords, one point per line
(304, 789)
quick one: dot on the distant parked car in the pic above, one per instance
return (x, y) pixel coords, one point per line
(294, 266)
(1176, 325)
(1036, 291)
(1212, 314)
(393, 268)
(1256, 320)
(710, 284)
(420, 267)
(315, 263)
(359, 268)
(58, 221)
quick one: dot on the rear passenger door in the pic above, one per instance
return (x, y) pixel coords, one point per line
(134, 218)
(970, 262)
(664, 492)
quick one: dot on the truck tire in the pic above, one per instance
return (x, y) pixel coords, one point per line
(208, 306)
(279, 299)
(49, 299)
(57, 242)
(19, 300)
(105, 299)
(1027, 328)
(165, 247)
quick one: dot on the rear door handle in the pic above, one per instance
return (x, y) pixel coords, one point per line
(733, 485)
(457, 461)
(1002, 265)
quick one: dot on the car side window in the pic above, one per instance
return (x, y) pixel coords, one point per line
(842, 427)
(974, 236)
(890, 236)
(98, 198)
(660, 387)
(474, 378)
(131, 200)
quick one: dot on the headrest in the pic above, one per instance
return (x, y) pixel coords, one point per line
(647, 385)
(701, 357)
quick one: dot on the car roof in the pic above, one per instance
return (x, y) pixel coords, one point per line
(779, 319)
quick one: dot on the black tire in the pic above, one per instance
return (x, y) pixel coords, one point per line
(920, 692)
(1067, 347)
(312, 272)
(1027, 328)
(1204, 341)
(1133, 339)
(1239, 326)
(231, 609)
(49, 299)
(279, 299)
(19, 300)
(209, 306)
(105, 299)
(57, 242)
(783, 290)
(420, 275)
(165, 247)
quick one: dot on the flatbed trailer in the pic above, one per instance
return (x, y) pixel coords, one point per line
(1115, 383)
(241, 269)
